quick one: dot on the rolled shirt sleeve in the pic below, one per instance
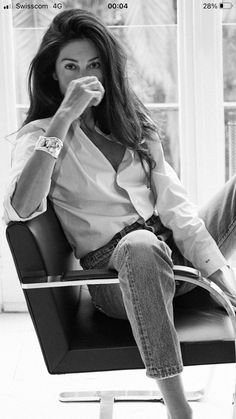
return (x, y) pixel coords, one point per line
(181, 216)
(23, 150)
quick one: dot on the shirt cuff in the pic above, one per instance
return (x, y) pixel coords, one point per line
(210, 260)
(10, 213)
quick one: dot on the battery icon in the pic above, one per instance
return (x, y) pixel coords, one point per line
(226, 5)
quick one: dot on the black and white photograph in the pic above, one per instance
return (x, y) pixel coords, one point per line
(118, 209)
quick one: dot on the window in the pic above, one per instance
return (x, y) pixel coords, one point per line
(229, 61)
(201, 116)
(147, 30)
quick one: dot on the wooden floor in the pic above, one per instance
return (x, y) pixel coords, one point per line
(27, 391)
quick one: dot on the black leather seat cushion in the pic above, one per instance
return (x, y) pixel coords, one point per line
(98, 343)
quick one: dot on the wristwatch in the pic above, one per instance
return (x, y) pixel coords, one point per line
(51, 145)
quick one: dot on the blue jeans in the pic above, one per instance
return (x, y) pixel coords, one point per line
(143, 256)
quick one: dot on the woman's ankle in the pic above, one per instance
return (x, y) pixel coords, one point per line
(182, 413)
(174, 397)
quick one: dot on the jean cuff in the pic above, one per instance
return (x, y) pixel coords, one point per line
(165, 372)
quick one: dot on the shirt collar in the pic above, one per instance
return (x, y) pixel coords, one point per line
(107, 136)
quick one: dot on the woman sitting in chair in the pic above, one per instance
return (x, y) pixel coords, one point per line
(90, 146)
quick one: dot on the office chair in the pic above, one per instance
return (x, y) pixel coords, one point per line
(74, 337)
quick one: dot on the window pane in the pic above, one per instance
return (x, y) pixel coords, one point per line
(21, 115)
(167, 121)
(229, 15)
(229, 65)
(152, 61)
(26, 42)
(229, 62)
(230, 141)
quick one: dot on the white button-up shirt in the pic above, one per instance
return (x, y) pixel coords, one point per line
(93, 201)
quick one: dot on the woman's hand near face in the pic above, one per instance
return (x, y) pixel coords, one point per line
(81, 94)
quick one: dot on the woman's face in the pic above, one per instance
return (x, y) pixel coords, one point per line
(79, 58)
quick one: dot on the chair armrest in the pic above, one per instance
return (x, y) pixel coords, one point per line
(183, 274)
(39, 279)
(70, 278)
(105, 276)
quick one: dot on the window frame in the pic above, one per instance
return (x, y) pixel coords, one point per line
(9, 291)
(201, 109)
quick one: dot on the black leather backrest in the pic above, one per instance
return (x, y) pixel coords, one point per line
(40, 245)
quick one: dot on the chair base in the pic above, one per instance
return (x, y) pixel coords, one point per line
(108, 398)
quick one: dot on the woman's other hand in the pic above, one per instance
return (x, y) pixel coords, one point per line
(81, 93)
(225, 278)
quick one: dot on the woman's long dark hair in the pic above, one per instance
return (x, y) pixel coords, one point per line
(120, 113)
